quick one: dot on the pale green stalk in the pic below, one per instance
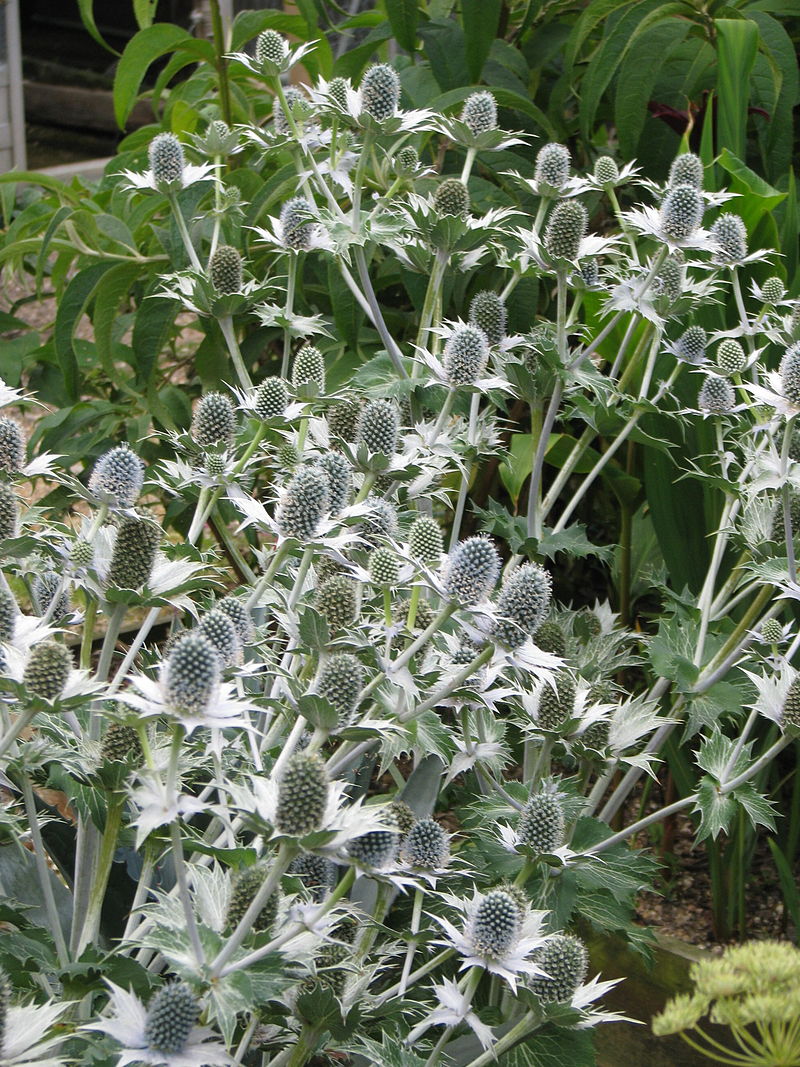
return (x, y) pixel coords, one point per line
(43, 872)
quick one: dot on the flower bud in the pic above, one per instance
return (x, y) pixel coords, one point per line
(225, 270)
(479, 114)
(425, 540)
(171, 1016)
(451, 198)
(731, 237)
(336, 601)
(220, 630)
(406, 161)
(272, 399)
(191, 675)
(340, 681)
(272, 48)
(117, 477)
(378, 427)
(121, 744)
(541, 824)
(9, 509)
(47, 670)
(523, 605)
(384, 567)
(557, 704)
(552, 166)
(565, 230)
(471, 571)
(340, 479)
(686, 169)
(551, 638)
(681, 212)
(244, 888)
(773, 291)
(12, 445)
(730, 357)
(426, 846)
(716, 395)
(134, 553)
(214, 421)
(606, 171)
(45, 587)
(297, 224)
(496, 924)
(565, 960)
(304, 504)
(337, 91)
(317, 874)
(465, 355)
(691, 345)
(380, 92)
(488, 312)
(309, 368)
(287, 456)
(167, 162)
(302, 796)
(771, 632)
(237, 611)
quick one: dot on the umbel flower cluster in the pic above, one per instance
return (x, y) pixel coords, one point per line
(339, 755)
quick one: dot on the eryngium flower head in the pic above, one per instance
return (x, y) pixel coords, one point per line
(47, 670)
(691, 345)
(237, 611)
(167, 161)
(271, 47)
(772, 291)
(488, 312)
(8, 614)
(465, 355)
(309, 368)
(565, 959)
(771, 632)
(134, 553)
(305, 504)
(406, 161)
(790, 712)
(190, 675)
(12, 445)
(9, 511)
(479, 113)
(379, 426)
(556, 705)
(790, 374)
(287, 455)
(425, 540)
(220, 630)
(297, 225)
(340, 478)
(451, 198)
(379, 522)
(302, 795)
(606, 171)
(243, 891)
(716, 395)
(731, 236)
(45, 587)
(551, 638)
(541, 824)
(172, 1013)
(380, 91)
(121, 744)
(377, 849)
(337, 602)
(669, 279)
(565, 230)
(552, 166)
(225, 269)
(523, 602)
(496, 924)
(117, 477)
(214, 421)
(296, 102)
(426, 846)
(384, 567)
(686, 169)
(317, 874)
(272, 398)
(730, 356)
(471, 571)
(343, 419)
(337, 91)
(590, 273)
(340, 681)
(681, 212)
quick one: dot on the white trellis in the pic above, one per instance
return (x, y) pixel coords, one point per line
(12, 109)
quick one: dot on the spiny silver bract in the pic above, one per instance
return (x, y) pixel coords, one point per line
(565, 230)
(472, 571)
(541, 823)
(171, 1016)
(167, 161)
(296, 223)
(716, 395)
(302, 795)
(191, 674)
(380, 91)
(134, 553)
(305, 504)
(465, 355)
(552, 165)
(214, 421)
(379, 427)
(496, 924)
(523, 604)
(479, 113)
(225, 269)
(47, 669)
(565, 960)
(681, 212)
(731, 236)
(340, 479)
(451, 198)
(340, 681)
(118, 477)
(686, 169)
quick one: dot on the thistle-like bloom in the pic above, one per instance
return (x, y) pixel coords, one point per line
(384, 567)
(378, 427)
(237, 611)
(134, 554)
(45, 587)
(691, 345)
(376, 850)
(317, 874)
(426, 846)
(425, 540)
(244, 888)
(9, 512)
(552, 166)
(488, 312)
(47, 670)
(169, 170)
(12, 446)
(606, 171)
(340, 479)
(219, 628)
(163, 1034)
(214, 421)
(303, 792)
(380, 92)
(225, 270)
(716, 396)
(731, 358)
(297, 224)
(479, 114)
(686, 169)
(522, 605)
(305, 503)
(471, 571)
(681, 212)
(790, 375)
(451, 198)
(565, 230)
(337, 601)
(731, 236)
(340, 681)
(309, 369)
(466, 354)
(541, 824)
(117, 477)
(272, 399)
(565, 961)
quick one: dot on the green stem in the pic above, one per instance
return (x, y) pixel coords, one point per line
(184, 232)
(9, 737)
(228, 332)
(527, 1025)
(291, 281)
(429, 303)
(221, 62)
(43, 872)
(105, 858)
(177, 850)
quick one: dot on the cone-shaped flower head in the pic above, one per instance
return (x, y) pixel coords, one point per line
(565, 230)
(523, 604)
(302, 795)
(287, 455)
(771, 632)
(237, 611)
(686, 169)
(12, 445)
(225, 269)
(790, 712)
(496, 924)
(681, 212)
(541, 824)
(47, 670)
(337, 602)
(8, 614)
(730, 356)
(214, 421)
(479, 114)
(340, 681)
(565, 959)
(552, 166)
(309, 368)
(669, 279)
(716, 395)
(488, 312)
(297, 224)
(731, 236)
(377, 849)
(305, 504)
(426, 846)
(340, 479)
(380, 521)
(317, 874)
(550, 637)
(9, 512)
(606, 171)
(465, 355)
(556, 705)
(297, 104)
(337, 91)
(45, 587)
(220, 630)
(691, 345)
(167, 161)
(790, 375)
(134, 553)
(773, 291)
(121, 744)
(380, 91)
(407, 160)
(272, 398)
(590, 272)
(118, 476)
(379, 426)
(425, 540)
(190, 675)
(451, 198)
(243, 891)
(384, 567)
(343, 419)
(472, 571)
(272, 48)
(172, 1013)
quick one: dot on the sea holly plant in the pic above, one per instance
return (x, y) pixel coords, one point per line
(338, 743)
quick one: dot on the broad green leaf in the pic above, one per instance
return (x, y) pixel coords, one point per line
(516, 467)
(248, 24)
(154, 321)
(86, 9)
(404, 16)
(113, 288)
(552, 1046)
(760, 811)
(508, 98)
(145, 12)
(480, 19)
(592, 16)
(445, 47)
(37, 177)
(637, 77)
(142, 50)
(776, 136)
(60, 216)
(318, 711)
(737, 42)
(716, 810)
(756, 196)
(72, 305)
